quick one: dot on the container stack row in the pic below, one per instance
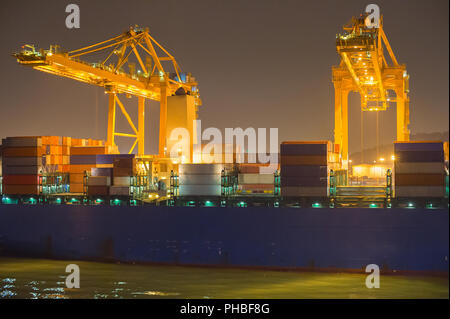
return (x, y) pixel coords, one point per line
(304, 170)
(113, 177)
(22, 165)
(419, 169)
(82, 159)
(107, 174)
(26, 159)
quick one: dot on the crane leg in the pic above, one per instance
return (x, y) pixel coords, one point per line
(341, 122)
(402, 117)
(344, 101)
(163, 121)
(141, 125)
(337, 116)
(111, 119)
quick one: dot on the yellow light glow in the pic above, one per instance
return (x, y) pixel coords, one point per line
(393, 157)
(381, 159)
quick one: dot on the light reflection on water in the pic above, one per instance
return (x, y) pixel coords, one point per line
(41, 279)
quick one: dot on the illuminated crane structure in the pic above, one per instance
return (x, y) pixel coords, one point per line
(364, 69)
(152, 81)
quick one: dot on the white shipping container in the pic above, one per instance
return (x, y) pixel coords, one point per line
(255, 179)
(418, 168)
(190, 169)
(119, 190)
(199, 190)
(22, 161)
(197, 179)
(122, 181)
(99, 181)
(419, 191)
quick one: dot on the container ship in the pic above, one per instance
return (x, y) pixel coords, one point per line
(308, 209)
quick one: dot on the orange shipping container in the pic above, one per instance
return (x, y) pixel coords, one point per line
(76, 178)
(76, 188)
(51, 140)
(66, 141)
(80, 168)
(64, 168)
(65, 150)
(21, 180)
(20, 189)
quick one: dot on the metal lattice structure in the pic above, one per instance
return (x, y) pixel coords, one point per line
(364, 68)
(157, 77)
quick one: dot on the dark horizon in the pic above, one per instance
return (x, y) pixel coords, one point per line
(258, 63)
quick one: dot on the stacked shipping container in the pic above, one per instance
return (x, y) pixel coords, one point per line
(419, 169)
(108, 174)
(200, 179)
(25, 159)
(251, 180)
(124, 167)
(22, 165)
(304, 170)
(82, 159)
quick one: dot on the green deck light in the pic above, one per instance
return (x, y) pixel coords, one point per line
(411, 205)
(209, 203)
(373, 205)
(316, 205)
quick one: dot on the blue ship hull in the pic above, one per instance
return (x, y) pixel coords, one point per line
(283, 238)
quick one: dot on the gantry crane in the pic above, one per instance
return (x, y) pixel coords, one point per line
(365, 69)
(152, 81)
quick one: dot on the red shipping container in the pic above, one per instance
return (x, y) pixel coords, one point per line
(98, 190)
(21, 180)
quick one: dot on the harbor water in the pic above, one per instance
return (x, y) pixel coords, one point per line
(44, 278)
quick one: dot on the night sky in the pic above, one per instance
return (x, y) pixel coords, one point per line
(259, 64)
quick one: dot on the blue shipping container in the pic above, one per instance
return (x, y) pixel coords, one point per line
(109, 158)
(432, 146)
(303, 149)
(419, 157)
(304, 170)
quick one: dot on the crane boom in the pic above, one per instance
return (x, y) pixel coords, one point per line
(152, 81)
